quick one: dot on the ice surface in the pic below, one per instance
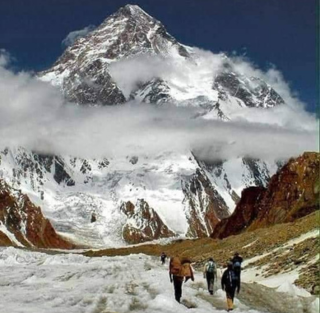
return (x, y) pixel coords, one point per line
(58, 283)
(293, 290)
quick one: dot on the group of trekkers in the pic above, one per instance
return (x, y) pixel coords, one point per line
(180, 270)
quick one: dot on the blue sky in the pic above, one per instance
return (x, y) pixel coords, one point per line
(279, 32)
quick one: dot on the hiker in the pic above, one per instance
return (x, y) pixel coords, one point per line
(163, 258)
(230, 282)
(210, 273)
(236, 261)
(178, 270)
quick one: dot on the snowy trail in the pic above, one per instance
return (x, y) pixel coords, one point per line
(36, 282)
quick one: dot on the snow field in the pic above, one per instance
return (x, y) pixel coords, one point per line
(37, 282)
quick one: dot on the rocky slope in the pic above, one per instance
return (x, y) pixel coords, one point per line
(292, 192)
(190, 196)
(143, 223)
(205, 205)
(22, 223)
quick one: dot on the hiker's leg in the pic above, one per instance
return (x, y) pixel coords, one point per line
(211, 284)
(229, 301)
(177, 282)
(232, 292)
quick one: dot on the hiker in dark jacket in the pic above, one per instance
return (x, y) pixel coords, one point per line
(163, 257)
(237, 258)
(210, 273)
(230, 282)
(237, 261)
(178, 270)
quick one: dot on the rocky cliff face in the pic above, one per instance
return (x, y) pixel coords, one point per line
(143, 223)
(292, 192)
(22, 223)
(205, 206)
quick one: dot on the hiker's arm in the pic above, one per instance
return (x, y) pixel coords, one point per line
(238, 287)
(223, 281)
(191, 270)
(204, 271)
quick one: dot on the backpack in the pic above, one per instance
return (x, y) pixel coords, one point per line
(237, 265)
(211, 267)
(233, 278)
(175, 266)
(185, 270)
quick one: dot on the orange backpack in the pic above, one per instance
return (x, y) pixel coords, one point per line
(175, 266)
(186, 270)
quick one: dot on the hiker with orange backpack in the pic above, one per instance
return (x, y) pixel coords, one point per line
(178, 270)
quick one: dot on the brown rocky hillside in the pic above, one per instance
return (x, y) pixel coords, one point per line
(23, 224)
(293, 192)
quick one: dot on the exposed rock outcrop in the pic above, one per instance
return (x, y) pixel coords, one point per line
(143, 224)
(22, 223)
(205, 206)
(293, 192)
(245, 212)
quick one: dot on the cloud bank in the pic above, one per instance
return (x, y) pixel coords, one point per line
(34, 115)
(74, 35)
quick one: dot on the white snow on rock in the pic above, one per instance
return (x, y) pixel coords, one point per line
(101, 186)
(10, 235)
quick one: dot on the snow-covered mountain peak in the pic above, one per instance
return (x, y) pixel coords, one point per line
(82, 72)
(131, 56)
(178, 74)
(133, 10)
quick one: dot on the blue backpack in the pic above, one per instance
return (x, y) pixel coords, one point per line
(237, 265)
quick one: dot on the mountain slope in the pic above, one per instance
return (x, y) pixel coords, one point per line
(189, 195)
(22, 223)
(292, 192)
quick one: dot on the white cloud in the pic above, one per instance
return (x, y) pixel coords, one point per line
(74, 35)
(129, 73)
(34, 115)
